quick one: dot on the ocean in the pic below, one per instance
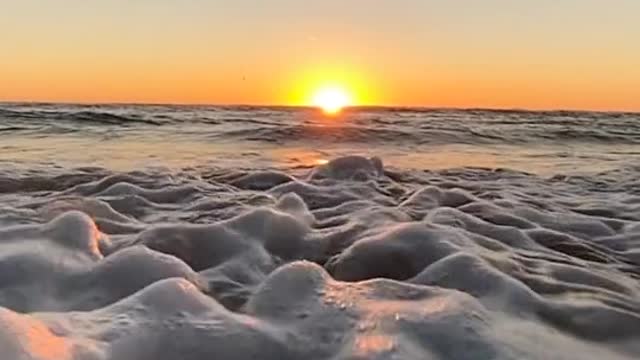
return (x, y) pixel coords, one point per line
(127, 137)
(139, 232)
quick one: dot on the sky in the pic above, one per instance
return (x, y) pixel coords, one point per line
(543, 54)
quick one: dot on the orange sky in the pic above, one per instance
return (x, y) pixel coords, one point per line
(497, 53)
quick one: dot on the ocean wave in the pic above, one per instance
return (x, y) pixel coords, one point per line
(320, 133)
(425, 134)
(361, 125)
(82, 117)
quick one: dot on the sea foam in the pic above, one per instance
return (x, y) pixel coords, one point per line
(349, 260)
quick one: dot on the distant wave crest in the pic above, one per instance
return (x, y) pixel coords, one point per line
(83, 117)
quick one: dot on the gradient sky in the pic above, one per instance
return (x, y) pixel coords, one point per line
(582, 54)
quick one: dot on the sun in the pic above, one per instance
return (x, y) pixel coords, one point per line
(331, 99)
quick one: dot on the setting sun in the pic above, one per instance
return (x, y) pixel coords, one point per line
(330, 87)
(331, 99)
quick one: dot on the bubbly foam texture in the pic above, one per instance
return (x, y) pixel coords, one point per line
(350, 260)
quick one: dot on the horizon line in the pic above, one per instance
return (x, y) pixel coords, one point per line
(363, 106)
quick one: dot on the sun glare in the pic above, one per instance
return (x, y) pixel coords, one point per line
(331, 99)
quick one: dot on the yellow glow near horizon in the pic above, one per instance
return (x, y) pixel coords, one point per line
(330, 87)
(331, 99)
